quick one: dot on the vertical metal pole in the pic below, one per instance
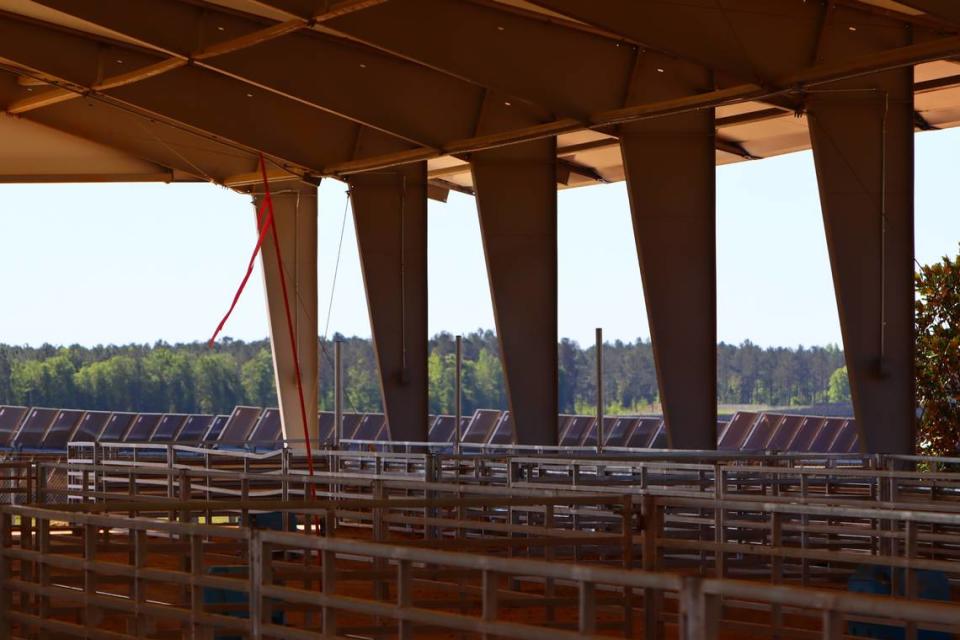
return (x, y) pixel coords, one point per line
(599, 389)
(459, 398)
(337, 392)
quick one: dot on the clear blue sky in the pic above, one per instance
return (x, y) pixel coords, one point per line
(93, 264)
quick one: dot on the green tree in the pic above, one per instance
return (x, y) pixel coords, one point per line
(259, 386)
(361, 387)
(218, 383)
(937, 367)
(45, 383)
(113, 384)
(838, 389)
(169, 383)
(443, 384)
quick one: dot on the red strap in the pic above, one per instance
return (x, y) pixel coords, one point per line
(268, 201)
(243, 283)
(268, 225)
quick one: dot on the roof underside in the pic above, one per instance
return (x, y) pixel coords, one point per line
(186, 90)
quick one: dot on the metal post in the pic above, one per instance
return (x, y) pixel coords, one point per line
(599, 389)
(459, 397)
(337, 392)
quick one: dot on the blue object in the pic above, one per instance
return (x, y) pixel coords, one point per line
(213, 596)
(273, 520)
(873, 579)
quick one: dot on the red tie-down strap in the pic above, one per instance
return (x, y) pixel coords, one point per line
(265, 218)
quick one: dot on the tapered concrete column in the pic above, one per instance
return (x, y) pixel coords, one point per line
(862, 133)
(295, 217)
(671, 180)
(517, 201)
(390, 213)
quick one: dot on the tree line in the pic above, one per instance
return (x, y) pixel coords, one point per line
(192, 378)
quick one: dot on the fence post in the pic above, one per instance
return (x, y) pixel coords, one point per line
(699, 612)
(459, 398)
(588, 609)
(489, 598)
(91, 613)
(651, 597)
(41, 484)
(599, 355)
(405, 596)
(337, 393)
(627, 525)
(329, 577)
(255, 573)
(6, 539)
(833, 627)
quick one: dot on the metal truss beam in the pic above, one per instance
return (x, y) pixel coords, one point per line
(862, 136)
(669, 165)
(187, 96)
(517, 203)
(390, 213)
(157, 143)
(357, 80)
(295, 217)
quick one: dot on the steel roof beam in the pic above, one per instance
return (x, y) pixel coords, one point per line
(187, 96)
(948, 10)
(357, 80)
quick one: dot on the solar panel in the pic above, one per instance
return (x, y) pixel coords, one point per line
(563, 421)
(10, 419)
(808, 430)
(364, 427)
(855, 446)
(268, 429)
(644, 433)
(62, 428)
(238, 427)
(660, 439)
(762, 430)
(576, 430)
(34, 427)
(216, 428)
(848, 439)
(325, 427)
(478, 431)
(827, 434)
(442, 429)
(503, 432)
(784, 433)
(116, 427)
(590, 438)
(384, 433)
(194, 427)
(143, 427)
(621, 431)
(350, 425)
(736, 431)
(91, 424)
(168, 427)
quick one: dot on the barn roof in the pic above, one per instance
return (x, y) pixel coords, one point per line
(177, 90)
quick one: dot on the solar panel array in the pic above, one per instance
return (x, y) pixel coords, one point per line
(45, 429)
